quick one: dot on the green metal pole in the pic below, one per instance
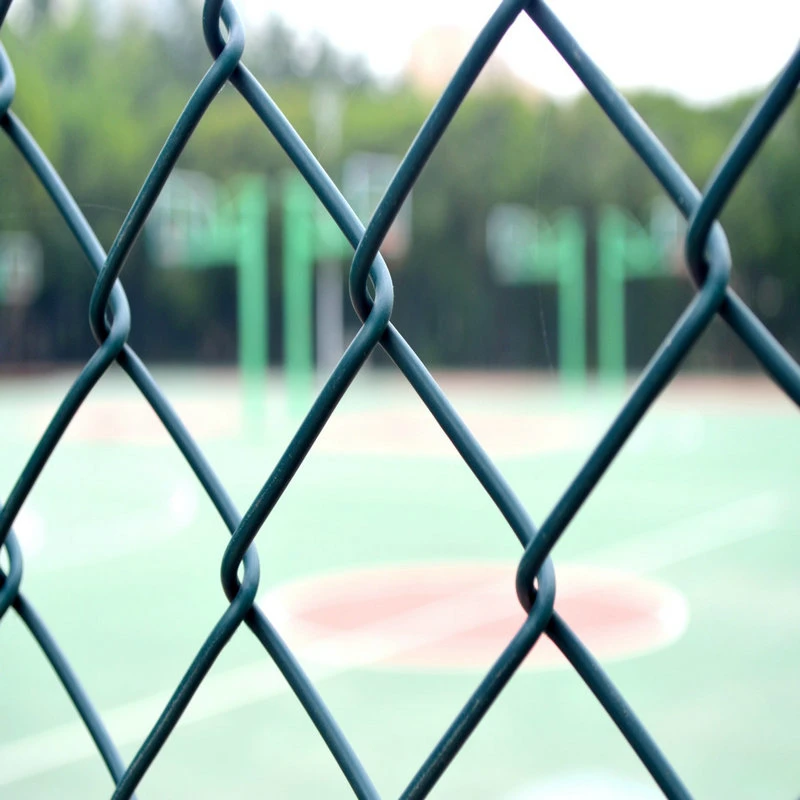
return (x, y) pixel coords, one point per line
(251, 264)
(611, 295)
(298, 269)
(571, 260)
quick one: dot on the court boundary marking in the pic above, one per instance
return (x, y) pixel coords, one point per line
(69, 743)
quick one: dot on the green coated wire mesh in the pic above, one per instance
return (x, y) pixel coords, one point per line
(370, 286)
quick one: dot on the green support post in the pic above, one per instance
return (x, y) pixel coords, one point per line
(308, 237)
(611, 295)
(298, 271)
(570, 242)
(626, 250)
(525, 249)
(238, 235)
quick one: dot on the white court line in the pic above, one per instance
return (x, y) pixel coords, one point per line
(219, 694)
(699, 534)
(236, 688)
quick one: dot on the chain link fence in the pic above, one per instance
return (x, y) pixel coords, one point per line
(370, 286)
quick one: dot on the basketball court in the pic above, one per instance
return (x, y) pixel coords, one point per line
(391, 578)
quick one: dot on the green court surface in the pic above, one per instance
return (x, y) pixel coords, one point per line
(123, 555)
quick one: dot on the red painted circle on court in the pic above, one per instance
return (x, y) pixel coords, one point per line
(457, 615)
(133, 421)
(415, 433)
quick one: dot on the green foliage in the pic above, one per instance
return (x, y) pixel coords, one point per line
(101, 102)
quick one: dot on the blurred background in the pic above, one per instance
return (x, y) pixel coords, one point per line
(101, 83)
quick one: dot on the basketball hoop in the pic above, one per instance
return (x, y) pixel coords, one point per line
(365, 177)
(668, 231)
(21, 273)
(512, 239)
(186, 208)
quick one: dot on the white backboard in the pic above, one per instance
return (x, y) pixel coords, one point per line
(21, 273)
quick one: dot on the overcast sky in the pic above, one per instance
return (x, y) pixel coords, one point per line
(702, 50)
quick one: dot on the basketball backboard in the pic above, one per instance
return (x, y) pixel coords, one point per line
(20, 268)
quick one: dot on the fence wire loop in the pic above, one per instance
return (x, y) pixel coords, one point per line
(710, 265)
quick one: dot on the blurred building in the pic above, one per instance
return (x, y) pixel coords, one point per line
(437, 53)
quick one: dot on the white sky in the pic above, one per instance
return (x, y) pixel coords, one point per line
(702, 50)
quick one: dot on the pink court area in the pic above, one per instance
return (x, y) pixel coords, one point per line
(392, 432)
(462, 615)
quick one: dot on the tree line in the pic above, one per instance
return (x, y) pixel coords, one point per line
(101, 100)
